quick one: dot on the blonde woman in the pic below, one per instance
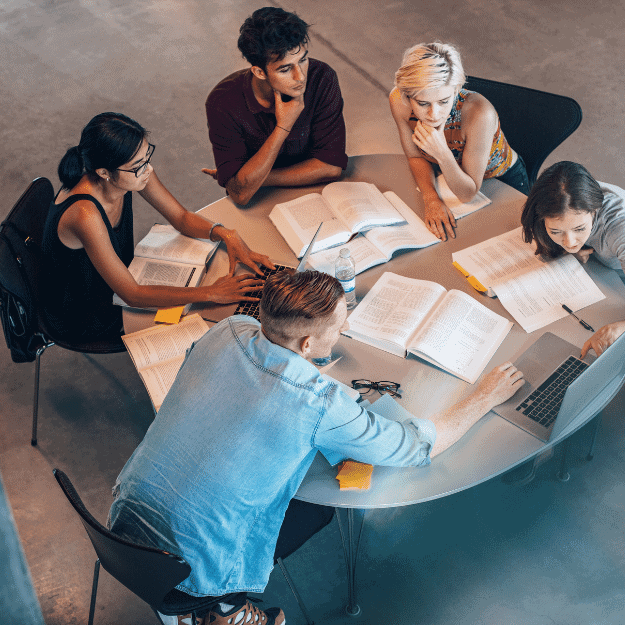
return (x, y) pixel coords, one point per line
(445, 128)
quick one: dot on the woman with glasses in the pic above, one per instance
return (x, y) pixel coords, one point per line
(88, 238)
(446, 129)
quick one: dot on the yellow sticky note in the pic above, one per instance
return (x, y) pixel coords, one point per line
(354, 475)
(169, 315)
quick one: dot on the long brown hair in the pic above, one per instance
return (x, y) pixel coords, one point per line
(561, 187)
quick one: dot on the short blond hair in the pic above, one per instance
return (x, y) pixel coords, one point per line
(430, 66)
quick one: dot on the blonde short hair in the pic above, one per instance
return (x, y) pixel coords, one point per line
(430, 66)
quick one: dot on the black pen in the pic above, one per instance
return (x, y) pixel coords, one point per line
(586, 325)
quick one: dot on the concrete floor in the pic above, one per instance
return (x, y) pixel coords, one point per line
(545, 553)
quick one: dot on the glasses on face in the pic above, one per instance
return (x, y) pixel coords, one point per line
(366, 386)
(138, 171)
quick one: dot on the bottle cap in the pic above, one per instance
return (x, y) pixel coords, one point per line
(344, 253)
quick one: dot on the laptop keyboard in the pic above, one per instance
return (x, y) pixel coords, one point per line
(543, 404)
(252, 308)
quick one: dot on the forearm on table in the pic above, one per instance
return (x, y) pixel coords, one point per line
(244, 184)
(460, 183)
(423, 173)
(157, 296)
(455, 422)
(311, 171)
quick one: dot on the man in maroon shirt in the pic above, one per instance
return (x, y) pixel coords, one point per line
(280, 122)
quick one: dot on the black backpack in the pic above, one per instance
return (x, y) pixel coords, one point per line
(21, 234)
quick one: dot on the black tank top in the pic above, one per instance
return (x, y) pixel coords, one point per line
(77, 301)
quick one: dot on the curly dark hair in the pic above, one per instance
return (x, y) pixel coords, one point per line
(269, 33)
(563, 186)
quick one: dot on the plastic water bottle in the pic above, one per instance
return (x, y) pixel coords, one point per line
(346, 274)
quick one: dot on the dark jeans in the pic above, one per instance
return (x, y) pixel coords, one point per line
(516, 176)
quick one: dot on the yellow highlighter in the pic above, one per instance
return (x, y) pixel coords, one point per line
(473, 281)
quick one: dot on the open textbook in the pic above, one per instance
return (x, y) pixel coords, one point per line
(344, 208)
(457, 207)
(378, 245)
(158, 353)
(167, 258)
(530, 288)
(447, 328)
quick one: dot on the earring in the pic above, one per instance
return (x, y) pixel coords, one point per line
(107, 179)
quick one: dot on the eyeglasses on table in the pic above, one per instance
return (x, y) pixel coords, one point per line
(364, 387)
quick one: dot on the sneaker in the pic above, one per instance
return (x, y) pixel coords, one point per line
(247, 614)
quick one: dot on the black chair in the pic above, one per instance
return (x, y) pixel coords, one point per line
(534, 122)
(153, 574)
(28, 216)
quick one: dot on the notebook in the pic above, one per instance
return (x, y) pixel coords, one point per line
(558, 385)
(215, 312)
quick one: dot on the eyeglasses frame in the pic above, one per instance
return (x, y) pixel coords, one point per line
(138, 171)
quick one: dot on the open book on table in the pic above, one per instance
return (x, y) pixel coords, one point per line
(167, 258)
(378, 245)
(158, 353)
(530, 288)
(344, 208)
(446, 328)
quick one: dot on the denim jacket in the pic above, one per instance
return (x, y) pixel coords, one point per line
(233, 440)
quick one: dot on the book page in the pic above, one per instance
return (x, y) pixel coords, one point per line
(531, 289)
(360, 205)
(147, 271)
(393, 308)
(298, 220)
(364, 253)
(158, 343)
(461, 335)
(500, 258)
(159, 378)
(166, 243)
(413, 235)
(457, 207)
(535, 298)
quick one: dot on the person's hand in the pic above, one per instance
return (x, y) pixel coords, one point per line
(210, 172)
(584, 254)
(229, 289)
(500, 384)
(603, 338)
(439, 220)
(239, 252)
(287, 112)
(431, 140)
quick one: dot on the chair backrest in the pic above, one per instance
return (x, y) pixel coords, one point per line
(21, 235)
(149, 573)
(534, 122)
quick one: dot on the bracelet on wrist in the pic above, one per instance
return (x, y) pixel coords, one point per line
(285, 130)
(210, 232)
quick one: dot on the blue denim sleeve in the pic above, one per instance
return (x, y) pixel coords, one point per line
(346, 430)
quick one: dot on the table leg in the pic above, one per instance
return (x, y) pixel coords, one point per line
(563, 473)
(591, 451)
(350, 551)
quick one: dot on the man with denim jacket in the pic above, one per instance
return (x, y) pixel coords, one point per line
(238, 430)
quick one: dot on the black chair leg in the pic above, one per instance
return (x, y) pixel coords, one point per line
(94, 590)
(33, 440)
(595, 431)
